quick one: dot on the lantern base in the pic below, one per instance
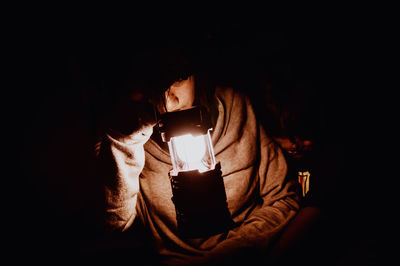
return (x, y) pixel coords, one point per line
(200, 203)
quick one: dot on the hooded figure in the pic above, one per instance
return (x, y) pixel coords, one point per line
(133, 163)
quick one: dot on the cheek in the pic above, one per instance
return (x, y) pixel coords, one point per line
(188, 96)
(185, 93)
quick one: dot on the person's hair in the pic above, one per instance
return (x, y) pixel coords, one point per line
(155, 70)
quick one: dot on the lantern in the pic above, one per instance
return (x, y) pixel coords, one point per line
(196, 178)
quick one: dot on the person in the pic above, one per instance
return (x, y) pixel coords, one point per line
(294, 117)
(133, 164)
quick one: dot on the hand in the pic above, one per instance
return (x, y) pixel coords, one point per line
(128, 115)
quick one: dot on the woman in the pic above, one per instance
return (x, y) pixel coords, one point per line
(134, 165)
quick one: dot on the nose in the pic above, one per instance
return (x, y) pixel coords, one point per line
(172, 101)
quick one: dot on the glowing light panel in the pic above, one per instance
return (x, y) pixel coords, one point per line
(191, 152)
(190, 149)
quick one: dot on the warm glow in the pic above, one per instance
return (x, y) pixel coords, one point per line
(191, 150)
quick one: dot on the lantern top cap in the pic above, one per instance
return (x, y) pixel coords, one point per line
(195, 121)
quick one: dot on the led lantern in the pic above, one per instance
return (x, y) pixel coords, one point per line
(196, 178)
(188, 135)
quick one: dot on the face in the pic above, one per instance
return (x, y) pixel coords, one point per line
(295, 149)
(179, 96)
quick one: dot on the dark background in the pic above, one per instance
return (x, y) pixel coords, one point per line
(63, 83)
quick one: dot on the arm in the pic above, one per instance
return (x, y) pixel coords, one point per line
(120, 161)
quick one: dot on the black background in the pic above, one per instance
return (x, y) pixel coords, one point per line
(60, 85)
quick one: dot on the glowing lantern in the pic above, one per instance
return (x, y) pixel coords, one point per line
(196, 179)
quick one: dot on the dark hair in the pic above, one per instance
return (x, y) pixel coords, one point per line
(152, 71)
(155, 69)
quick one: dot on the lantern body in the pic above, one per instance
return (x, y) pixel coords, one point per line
(200, 203)
(190, 152)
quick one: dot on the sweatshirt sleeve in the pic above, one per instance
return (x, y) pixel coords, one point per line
(278, 205)
(120, 162)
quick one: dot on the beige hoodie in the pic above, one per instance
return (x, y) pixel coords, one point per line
(260, 198)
